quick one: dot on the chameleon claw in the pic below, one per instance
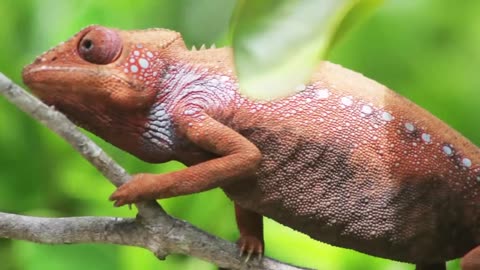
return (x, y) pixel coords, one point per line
(117, 204)
(118, 200)
(250, 248)
(249, 254)
(242, 251)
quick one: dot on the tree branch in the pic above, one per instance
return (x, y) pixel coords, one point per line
(153, 229)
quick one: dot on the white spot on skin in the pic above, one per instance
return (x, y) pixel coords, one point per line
(386, 116)
(136, 53)
(143, 63)
(300, 87)
(367, 109)
(132, 60)
(467, 162)
(410, 127)
(426, 138)
(322, 94)
(347, 101)
(125, 70)
(134, 68)
(189, 111)
(149, 54)
(447, 150)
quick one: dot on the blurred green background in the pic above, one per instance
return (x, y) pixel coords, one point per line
(427, 50)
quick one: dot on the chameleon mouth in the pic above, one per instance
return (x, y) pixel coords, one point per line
(33, 74)
(45, 78)
(52, 75)
(48, 82)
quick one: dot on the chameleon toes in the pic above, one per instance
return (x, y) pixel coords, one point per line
(250, 246)
(123, 195)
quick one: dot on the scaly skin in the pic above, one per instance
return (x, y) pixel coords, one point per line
(343, 159)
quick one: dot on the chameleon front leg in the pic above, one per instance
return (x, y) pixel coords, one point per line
(471, 261)
(238, 159)
(250, 225)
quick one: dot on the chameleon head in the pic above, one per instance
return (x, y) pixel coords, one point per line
(106, 80)
(90, 68)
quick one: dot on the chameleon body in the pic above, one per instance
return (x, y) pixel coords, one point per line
(343, 159)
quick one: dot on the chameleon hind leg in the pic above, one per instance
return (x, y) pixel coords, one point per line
(250, 225)
(434, 266)
(471, 261)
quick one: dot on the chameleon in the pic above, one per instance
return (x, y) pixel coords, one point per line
(342, 158)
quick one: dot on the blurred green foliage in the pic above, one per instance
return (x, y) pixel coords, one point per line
(287, 39)
(428, 50)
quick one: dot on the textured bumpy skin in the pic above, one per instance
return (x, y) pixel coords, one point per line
(342, 159)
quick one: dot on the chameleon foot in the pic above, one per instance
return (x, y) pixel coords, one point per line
(250, 246)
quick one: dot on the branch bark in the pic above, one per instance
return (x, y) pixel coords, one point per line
(153, 229)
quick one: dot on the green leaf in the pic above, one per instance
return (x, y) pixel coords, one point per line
(278, 43)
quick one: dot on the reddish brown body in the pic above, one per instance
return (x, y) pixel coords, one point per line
(343, 159)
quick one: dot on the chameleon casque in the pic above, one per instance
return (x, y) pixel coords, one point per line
(343, 159)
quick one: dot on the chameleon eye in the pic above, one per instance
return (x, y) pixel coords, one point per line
(100, 46)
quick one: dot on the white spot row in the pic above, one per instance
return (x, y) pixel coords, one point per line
(450, 152)
(447, 149)
(386, 116)
(365, 110)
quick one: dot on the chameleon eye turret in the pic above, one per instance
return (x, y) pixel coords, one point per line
(100, 46)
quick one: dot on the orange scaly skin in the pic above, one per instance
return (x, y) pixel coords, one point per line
(344, 159)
